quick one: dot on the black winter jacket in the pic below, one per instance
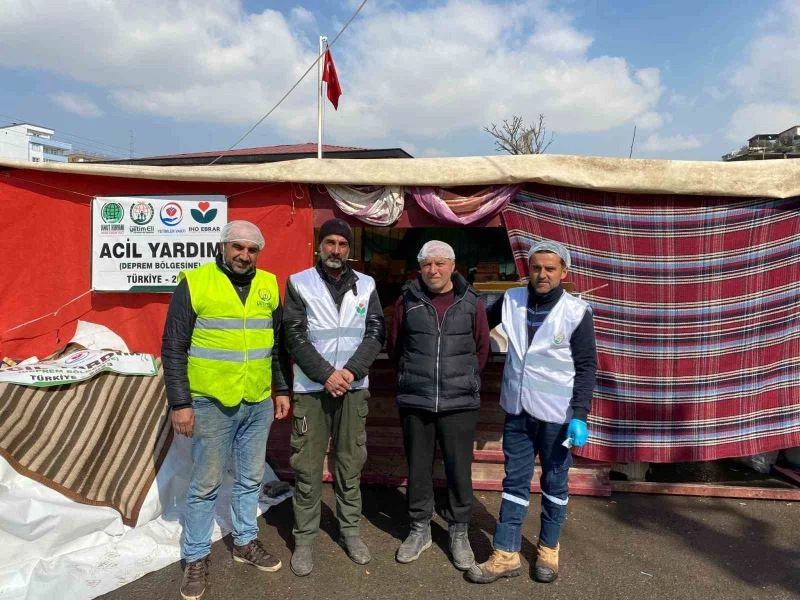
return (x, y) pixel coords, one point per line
(295, 329)
(438, 366)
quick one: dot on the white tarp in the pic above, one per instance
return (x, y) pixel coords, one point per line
(767, 178)
(52, 547)
(97, 337)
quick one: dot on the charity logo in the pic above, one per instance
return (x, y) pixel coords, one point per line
(76, 357)
(142, 213)
(112, 212)
(171, 214)
(203, 213)
(264, 294)
(361, 309)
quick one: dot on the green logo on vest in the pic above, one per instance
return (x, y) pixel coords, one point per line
(558, 338)
(361, 309)
(264, 297)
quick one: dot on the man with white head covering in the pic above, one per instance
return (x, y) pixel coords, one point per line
(222, 359)
(440, 344)
(548, 382)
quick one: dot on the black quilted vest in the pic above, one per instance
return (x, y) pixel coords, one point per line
(438, 370)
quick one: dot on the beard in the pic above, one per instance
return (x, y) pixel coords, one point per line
(331, 261)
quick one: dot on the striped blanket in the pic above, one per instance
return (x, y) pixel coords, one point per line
(98, 442)
(697, 313)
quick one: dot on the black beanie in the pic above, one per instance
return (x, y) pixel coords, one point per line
(336, 227)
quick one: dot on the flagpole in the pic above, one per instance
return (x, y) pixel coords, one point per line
(323, 44)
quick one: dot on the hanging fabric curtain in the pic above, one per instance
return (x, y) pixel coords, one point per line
(382, 206)
(463, 210)
(695, 361)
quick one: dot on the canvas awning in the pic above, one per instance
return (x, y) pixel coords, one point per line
(770, 178)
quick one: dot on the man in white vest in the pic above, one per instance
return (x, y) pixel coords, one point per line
(547, 388)
(334, 330)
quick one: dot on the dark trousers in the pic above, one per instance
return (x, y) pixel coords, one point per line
(455, 432)
(318, 417)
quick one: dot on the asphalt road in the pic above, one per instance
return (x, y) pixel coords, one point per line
(628, 546)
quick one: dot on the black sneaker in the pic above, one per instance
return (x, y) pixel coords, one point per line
(254, 554)
(195, 578)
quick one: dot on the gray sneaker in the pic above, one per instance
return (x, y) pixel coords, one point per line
(302, 562)
(356, 549)
(463, 558)
(418, 540)
(195, 578)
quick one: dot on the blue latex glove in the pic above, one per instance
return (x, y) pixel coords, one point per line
(578, 432)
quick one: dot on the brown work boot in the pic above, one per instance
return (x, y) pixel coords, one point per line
(255, 554)
(195, 578)
(546, 569)
(500, 564)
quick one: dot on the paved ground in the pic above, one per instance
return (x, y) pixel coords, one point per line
(626, 547)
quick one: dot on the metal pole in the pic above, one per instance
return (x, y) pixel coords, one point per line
(633, 139)
(323, 44)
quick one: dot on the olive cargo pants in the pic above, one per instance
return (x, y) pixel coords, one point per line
(318, 417)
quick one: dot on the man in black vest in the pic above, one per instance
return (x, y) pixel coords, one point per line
(440, 344)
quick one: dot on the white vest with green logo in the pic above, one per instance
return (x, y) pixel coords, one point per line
(335, 334)
(539, 374)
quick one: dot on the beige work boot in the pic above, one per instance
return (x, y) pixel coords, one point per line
(500, 564)
(546, 569)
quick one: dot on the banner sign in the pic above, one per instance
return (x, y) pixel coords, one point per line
(79, 366)
(141, 243)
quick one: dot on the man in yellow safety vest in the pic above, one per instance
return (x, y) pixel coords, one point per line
(222, 361)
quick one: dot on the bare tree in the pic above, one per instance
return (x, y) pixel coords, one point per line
(516, 137)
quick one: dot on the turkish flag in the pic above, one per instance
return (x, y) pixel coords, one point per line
(330, 77)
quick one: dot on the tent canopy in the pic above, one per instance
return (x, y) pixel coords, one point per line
(768, 178)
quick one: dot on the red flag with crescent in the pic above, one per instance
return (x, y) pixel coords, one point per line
(330, 77)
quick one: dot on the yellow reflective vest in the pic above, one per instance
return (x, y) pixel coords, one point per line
(230, 357)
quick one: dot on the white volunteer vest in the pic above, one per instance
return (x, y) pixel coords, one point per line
(538, 377)
(335, 334)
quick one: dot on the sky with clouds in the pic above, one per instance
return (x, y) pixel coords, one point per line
(185, 76)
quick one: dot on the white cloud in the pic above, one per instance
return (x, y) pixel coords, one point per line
(451, 66)
(302, 16)
(716, 93)
(772, 58)
(650, 120)
(766, 82)
(175, 59)
(674, 143)
(681, 101)
(77, 103)
(463, 65)
(762, 117)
